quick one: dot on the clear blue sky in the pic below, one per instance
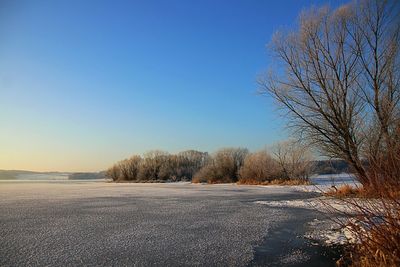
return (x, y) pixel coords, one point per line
(87, 83)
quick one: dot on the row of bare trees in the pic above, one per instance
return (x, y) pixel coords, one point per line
(159, 166)
(287, 161)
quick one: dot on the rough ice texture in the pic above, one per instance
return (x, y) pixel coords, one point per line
(93, 223)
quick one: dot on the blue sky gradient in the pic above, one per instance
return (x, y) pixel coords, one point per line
(87, 83)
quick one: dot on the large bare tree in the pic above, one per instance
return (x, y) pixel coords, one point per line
(338, 79)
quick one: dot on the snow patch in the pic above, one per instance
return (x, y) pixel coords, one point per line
(320, 203)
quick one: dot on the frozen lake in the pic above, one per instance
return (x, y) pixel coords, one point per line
(69, 223)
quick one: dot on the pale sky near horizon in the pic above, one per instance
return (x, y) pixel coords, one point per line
(86, 83)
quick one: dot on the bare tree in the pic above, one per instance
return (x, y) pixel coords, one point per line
(295, 160)
(340, 84)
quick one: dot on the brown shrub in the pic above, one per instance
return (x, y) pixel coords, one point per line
(222, 167)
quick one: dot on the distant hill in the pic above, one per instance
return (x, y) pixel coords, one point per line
(331, 167)
(8, 175)
(31, 175)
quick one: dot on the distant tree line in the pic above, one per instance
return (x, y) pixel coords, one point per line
(285, 161)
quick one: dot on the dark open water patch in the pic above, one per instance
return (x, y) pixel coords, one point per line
(286, 245)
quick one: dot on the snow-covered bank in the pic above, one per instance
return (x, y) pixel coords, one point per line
(327, 231)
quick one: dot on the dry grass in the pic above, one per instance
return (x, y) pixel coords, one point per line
(197, 180)
(381, 249)
(141, 181)
(201, 179)
(346, 191)
(275, 182)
